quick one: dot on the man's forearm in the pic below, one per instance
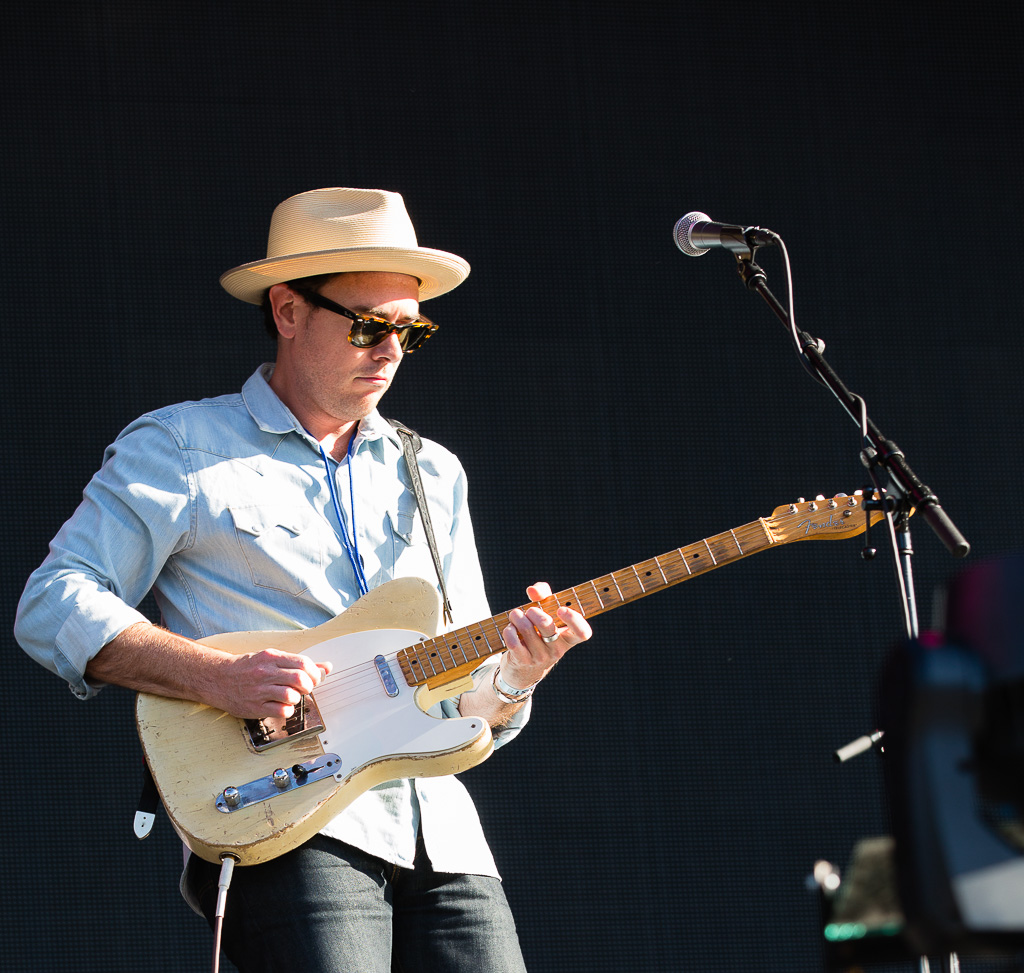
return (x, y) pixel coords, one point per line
(254, 684)
(150, 659)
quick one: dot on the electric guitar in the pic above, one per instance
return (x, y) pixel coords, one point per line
(255, 789)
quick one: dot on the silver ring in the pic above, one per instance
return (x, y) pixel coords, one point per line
(550, 638)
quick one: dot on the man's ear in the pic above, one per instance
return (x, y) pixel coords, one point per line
(287, 307)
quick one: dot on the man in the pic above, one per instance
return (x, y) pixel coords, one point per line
(274, 509)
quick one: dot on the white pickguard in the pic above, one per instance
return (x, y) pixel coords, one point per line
(362, 723)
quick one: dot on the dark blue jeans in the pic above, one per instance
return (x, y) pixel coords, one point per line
(327, 907)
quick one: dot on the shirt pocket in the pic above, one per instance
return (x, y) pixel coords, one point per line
(410, 550)
(281, 546)
(402, 523)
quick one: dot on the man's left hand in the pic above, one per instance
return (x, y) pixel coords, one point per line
(536, 641)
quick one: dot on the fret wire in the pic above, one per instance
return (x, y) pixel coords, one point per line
(424, 661)
(462, 645)
(608, 589)
(432, 657)
(416, 658)
(648, 573)
(481, 637)
(442, 644)
(449, 646)
(496, 639)
(625, 580)
(693, 549)
(636, 574)
(672, 577)
(708, 546)
(661, 571)
(681, 559)
(597, 594)
(406, 666)
(498, 626)
(575, 600)
(615, 581)
(721, 545)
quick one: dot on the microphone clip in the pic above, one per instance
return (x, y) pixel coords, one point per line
(750, 273)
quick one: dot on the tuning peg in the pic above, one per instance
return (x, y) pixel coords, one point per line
(819, 497)
(800, 500)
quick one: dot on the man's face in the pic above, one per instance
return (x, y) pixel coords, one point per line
(323, 378)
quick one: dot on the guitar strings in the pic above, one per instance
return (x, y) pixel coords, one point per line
(448, 643)
(363, 686)
(362, 679)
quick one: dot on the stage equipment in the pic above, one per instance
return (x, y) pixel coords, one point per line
(891, 476)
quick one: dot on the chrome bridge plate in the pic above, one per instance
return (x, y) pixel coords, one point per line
(281, 781)
(273, 731)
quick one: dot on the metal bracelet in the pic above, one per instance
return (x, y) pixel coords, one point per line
(507, 693)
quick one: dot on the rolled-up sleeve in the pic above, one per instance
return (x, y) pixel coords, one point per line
(134, 514)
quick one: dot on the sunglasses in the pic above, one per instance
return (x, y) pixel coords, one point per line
(369, 330)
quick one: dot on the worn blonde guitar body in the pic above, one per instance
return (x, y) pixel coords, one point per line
(195, 752)
(255, 790)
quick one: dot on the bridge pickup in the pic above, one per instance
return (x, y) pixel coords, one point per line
(281, 780)
(272, 731)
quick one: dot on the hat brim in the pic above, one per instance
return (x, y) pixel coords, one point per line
(438, 272)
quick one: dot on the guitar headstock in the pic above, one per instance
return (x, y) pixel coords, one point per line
(838, 516)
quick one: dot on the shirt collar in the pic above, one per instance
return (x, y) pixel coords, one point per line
(273, 416)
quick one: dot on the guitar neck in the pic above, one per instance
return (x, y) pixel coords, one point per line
(453, 655)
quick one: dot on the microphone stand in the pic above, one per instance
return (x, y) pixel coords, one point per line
(878, 452)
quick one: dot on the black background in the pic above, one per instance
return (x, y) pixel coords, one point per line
(611, 399)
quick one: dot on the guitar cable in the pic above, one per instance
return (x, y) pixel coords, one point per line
(227, 868)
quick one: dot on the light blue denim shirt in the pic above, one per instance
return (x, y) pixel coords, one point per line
(222, 508)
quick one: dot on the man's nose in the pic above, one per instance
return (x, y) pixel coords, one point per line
(390, 348)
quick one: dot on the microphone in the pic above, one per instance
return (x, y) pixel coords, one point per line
(695, 234)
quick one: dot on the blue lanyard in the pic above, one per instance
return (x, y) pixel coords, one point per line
(351, 545)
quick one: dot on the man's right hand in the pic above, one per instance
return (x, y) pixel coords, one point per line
(150, 659)
(270, 682)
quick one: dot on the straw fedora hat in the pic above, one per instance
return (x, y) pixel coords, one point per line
(329, 231)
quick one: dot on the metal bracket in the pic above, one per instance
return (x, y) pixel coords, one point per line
(281, 780)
